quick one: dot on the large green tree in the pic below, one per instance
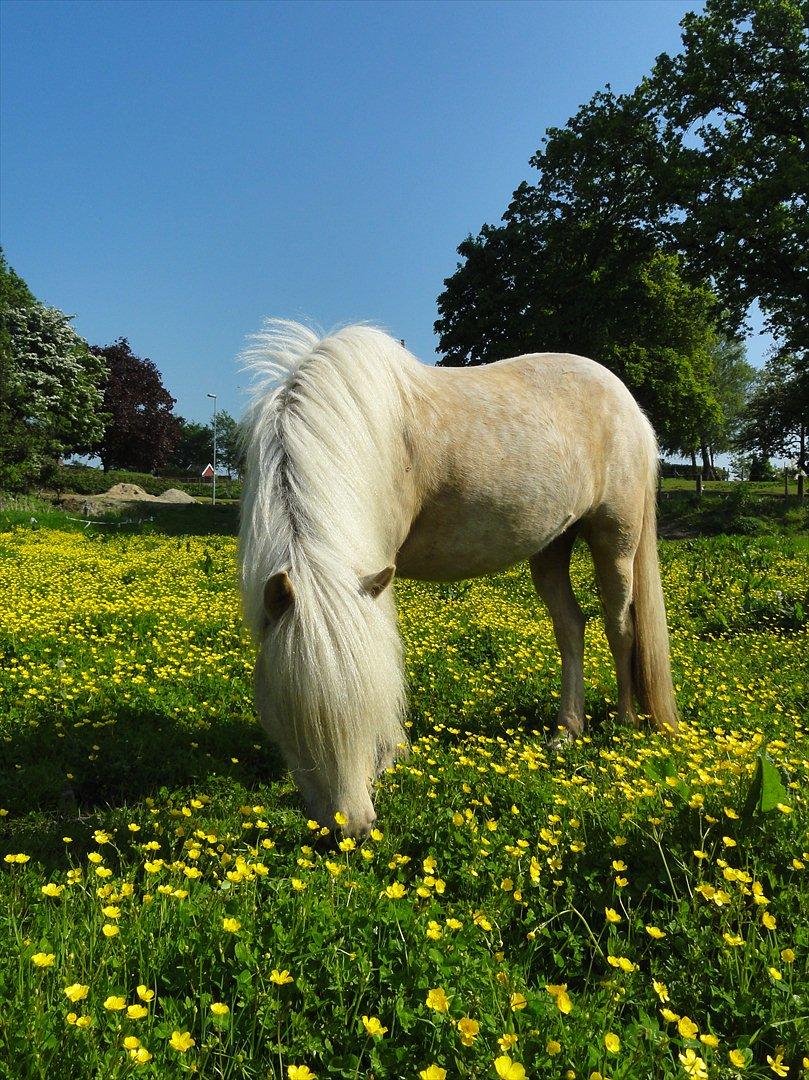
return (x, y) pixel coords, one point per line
(576, 266)
(51, 392)
(733, 115)
(143, 429)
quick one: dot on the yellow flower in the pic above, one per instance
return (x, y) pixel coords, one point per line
(110, 929)
(788, 956)
(94, 857)
(115, 1004)
(340, 818)
(144, 993)
(218, 1008)
(77, 992)
(433, 1072)
(51, 889)
(694, 1065)
(655, 932)
(563, 1003)
(140, 1056)
(300, 1072)
(612, 1042)
(709, 1040)
(231, 925)
(769, 920)
(687, 1028)
(373, 1026)
(131, 1042)
(737, 1059)
(507, 1040)
(621, 962)
(669, 1016)
(43, 959)
(469, 1030)
(181, 1041)
(507, 1069)
(280, 978)
(775, 973)
(777, 1064)
(136, 1012)
(553, 1048)
(437, 999)
(661, 990)
(517, 1001)
(612, 915)
(395, 891)
(733, 939)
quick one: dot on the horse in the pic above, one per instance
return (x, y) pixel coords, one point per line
(362, 463)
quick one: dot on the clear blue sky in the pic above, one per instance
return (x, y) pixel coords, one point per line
(175, 172)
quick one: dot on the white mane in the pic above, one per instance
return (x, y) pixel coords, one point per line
(325, 452)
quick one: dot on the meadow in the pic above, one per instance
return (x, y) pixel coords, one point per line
(624, 907)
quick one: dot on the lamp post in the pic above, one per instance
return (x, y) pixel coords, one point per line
(213, 497)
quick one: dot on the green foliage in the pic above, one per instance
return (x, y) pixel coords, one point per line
(777, 414)
(193, 449)
(85, 480)
(50, 386)
(734, 106)
(230, 451)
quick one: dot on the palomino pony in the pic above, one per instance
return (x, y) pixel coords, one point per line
(363, 462)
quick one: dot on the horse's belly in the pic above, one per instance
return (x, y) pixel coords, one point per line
(450, 543)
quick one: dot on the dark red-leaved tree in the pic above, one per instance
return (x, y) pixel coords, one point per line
(143, 429)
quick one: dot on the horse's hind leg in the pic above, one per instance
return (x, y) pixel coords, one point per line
(550, 570)
(613, 557)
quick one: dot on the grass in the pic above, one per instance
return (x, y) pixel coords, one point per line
(627, 906)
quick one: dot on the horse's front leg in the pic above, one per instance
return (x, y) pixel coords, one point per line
(550, 570)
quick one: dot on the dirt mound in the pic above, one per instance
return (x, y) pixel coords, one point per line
(174, 495)
(127, 492)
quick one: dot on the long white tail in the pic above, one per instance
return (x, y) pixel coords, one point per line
(652, 665)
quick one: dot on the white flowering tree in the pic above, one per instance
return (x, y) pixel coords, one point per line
(51, 386)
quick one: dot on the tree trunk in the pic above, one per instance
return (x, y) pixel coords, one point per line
(693, 462)
(707, 467)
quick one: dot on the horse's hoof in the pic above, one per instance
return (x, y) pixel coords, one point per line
(562, 735)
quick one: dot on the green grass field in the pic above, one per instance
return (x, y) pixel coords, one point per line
(627, 907)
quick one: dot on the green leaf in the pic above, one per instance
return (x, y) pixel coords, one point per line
(772, 790)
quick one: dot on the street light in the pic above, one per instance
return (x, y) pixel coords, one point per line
(213, 497)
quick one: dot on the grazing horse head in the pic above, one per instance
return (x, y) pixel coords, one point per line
(329, 687)
(316, 549)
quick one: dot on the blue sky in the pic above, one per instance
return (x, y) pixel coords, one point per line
(175, 172)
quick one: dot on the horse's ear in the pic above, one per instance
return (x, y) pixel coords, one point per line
(278, 595)
(375, 584)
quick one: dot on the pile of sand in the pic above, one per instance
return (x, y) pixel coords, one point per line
(174, 495)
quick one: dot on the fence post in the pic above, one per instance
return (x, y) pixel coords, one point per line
(801, 479)
(786, 483)
(699, 483)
